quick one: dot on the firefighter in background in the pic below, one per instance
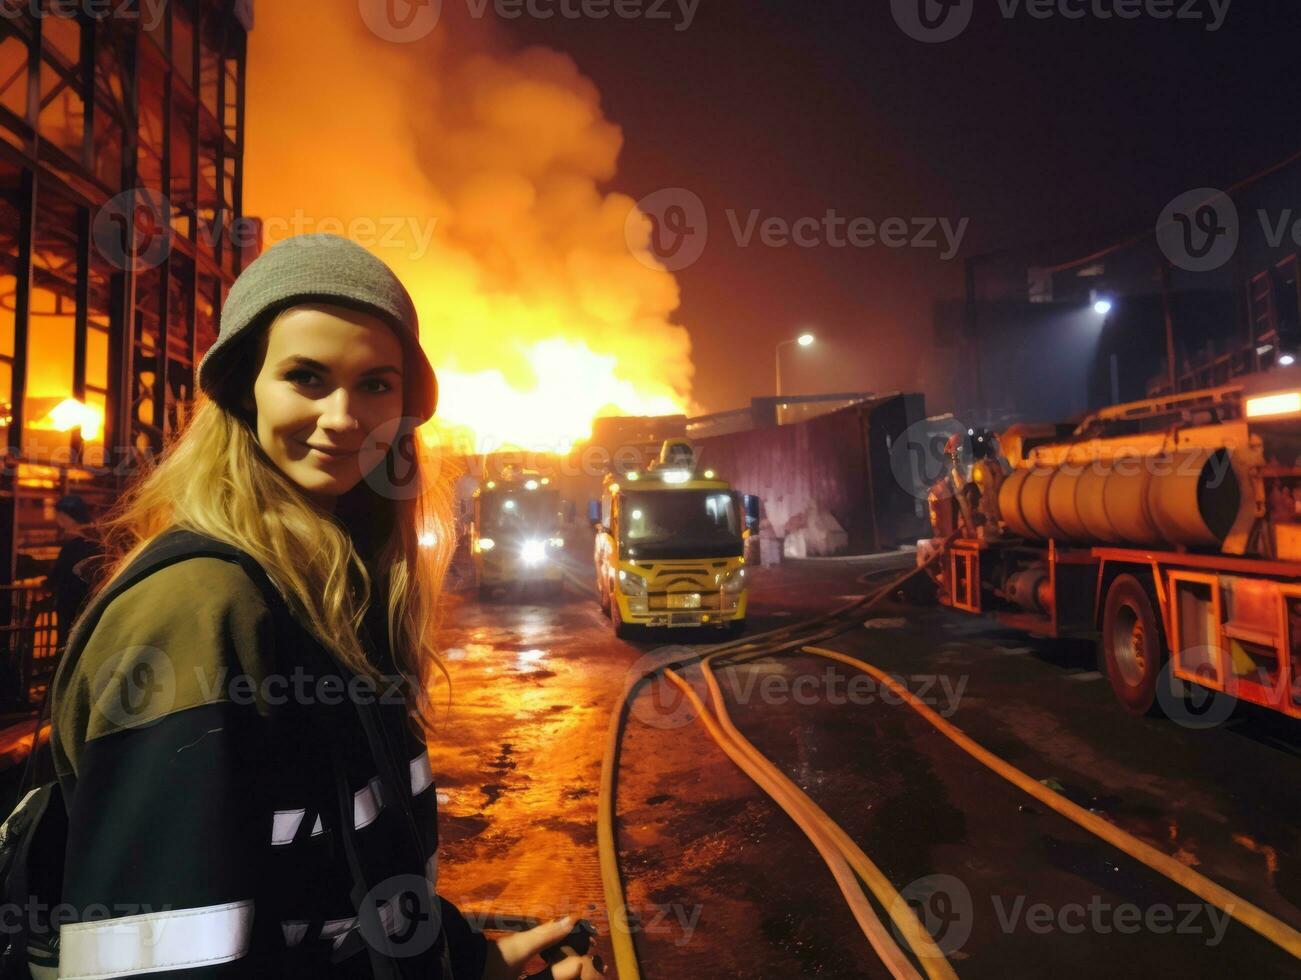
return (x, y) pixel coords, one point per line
(965, 497)
(988, 471)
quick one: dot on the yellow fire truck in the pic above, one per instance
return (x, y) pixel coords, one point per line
(1171, 527)
(516, 533)
(670, 546)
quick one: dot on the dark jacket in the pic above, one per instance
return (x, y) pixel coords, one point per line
(211, 834)
(68, 587)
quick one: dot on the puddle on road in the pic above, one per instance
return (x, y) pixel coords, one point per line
(522, 751)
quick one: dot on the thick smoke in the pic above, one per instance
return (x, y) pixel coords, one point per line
(481, 174)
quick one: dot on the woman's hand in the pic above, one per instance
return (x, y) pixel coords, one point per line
(507, 956)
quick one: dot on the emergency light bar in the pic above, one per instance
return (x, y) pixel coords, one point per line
(1264, 406)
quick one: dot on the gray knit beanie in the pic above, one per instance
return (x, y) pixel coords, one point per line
(320, 267)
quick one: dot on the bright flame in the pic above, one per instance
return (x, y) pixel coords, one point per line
(571, 385)
(70, 413)
(481, 175)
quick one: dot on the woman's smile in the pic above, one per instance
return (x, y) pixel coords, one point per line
(329, 455)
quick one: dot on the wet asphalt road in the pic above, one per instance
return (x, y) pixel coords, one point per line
(725, 885)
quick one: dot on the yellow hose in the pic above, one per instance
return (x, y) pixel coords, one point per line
(1275, 930)
(933, 961)
(763, 644)
(886, 948)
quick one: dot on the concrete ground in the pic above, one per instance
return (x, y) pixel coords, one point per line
(724, 884)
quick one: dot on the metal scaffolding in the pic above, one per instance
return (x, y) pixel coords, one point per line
(121, 178)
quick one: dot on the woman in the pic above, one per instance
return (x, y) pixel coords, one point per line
(245, 771)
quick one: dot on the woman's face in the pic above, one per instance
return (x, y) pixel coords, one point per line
(328, 397)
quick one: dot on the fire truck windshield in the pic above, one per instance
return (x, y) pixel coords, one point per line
(680, 524)
(522, 511)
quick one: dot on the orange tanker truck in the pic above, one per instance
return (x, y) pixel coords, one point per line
(1168, 528)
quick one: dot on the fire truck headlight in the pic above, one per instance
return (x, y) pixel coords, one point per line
(487, 544)
(556, 542)
(631, 584)
(533, 552)
(734, 582)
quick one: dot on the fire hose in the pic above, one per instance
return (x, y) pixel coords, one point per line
(837, 849)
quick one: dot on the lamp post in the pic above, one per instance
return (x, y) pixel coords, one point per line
(804, 340)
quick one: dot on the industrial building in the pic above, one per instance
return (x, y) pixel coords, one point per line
(121, 230)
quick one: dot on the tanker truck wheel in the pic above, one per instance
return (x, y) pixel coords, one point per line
(1132, 648)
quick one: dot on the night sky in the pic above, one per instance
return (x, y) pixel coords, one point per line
(1031, 129)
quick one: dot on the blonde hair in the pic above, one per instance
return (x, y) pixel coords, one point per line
(215, 479)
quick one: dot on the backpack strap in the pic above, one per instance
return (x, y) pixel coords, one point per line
(169, 548)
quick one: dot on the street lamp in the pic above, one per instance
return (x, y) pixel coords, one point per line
(804, 340)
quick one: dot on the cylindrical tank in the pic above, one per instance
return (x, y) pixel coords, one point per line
(1188, 498)
(1034, 503)
(1063, 506)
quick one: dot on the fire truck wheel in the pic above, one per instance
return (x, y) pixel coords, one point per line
(621, 629)
(1132, 648)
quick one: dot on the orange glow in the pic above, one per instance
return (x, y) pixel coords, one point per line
(479, 174)
(70, 413)
(1287, 403)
